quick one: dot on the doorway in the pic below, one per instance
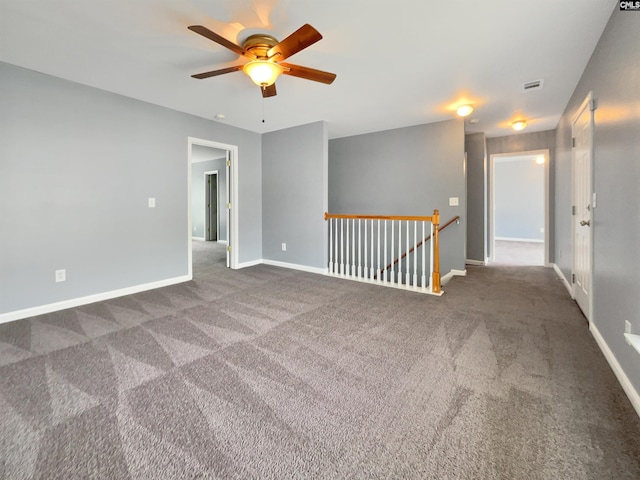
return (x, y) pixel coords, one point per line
(211, 203)
(227, 217)
(519, 227)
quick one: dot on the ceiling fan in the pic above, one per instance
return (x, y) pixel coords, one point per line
(265, 54)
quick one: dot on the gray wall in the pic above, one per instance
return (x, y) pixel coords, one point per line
(519, 199)
(198, 196)
(613, 74)
(407, 171)
(294, 195)
(77, 165)
(476, 149)
(524, 142)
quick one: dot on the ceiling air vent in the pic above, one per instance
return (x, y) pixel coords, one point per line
(532, 86)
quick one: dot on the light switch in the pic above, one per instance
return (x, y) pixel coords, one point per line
(152, 202)
(454, 201)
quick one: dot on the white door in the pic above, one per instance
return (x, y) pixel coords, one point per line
(228, 208)
(582, 132)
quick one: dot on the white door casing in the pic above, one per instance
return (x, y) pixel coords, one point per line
(582, 152)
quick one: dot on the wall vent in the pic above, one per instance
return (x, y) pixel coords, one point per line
(532, 86)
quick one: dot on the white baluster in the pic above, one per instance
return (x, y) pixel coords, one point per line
(347, 272)
(392, 279)
(372, 273)
(399, 252)
(406, 261)
(415, 254)
(386, 270)
(335, 234)
(353, 247)
(359, 248)
(423, 283)
(342, 246)
(330, 245)
(378, 272)
(366, 271)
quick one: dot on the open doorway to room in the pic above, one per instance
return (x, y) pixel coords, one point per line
(520, 208)
(212, 194)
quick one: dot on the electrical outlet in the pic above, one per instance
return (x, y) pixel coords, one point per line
(61, 276)
(284, 247)
(152, 202)
(454, 201)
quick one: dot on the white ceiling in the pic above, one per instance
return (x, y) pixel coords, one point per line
(398, 63)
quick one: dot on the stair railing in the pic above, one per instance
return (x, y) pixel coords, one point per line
(359, 251)
(441, 228)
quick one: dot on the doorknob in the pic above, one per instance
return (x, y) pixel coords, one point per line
(586, 223)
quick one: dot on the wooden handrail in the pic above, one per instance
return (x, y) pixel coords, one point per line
(327, 216)
(412, 249)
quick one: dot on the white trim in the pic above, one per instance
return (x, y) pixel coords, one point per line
(565, 282)
(527, 240)
(295, 266)
(453, 273)
(633, 340)
(98, 297)
(251, 263)
(478, 263)
(492, 161)
(233, 232)
(586, 103)
(223, 242)
(200, 239)
(626, 384)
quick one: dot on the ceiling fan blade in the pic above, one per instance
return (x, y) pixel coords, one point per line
(214, 73)
(298, 40)
(308, 73)
(269, 91)
(205, 32)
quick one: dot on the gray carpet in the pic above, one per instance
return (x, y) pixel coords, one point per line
(271, 373)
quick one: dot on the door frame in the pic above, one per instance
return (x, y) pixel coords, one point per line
(589, 103)
(213, 173)
(492, 203)
(233, 240)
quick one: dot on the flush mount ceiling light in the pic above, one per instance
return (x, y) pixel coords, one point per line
(464, 110)
(519, 124)
(263, 73)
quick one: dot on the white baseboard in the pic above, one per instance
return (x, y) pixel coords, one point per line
(565, 282)
(478, 263)
(275, 263)
(627, 386)
(252, 263)
(98, 297)
(295, 266)
(224, 242)
(528, 240)
(453, 273)
(199, 239)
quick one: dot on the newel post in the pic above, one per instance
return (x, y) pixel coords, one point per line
(435, 276)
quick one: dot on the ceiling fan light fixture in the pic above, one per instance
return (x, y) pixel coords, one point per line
(519, 124)
(263, 73)
(464, 110)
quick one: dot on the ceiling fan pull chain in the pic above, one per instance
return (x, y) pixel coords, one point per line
(263, 107)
